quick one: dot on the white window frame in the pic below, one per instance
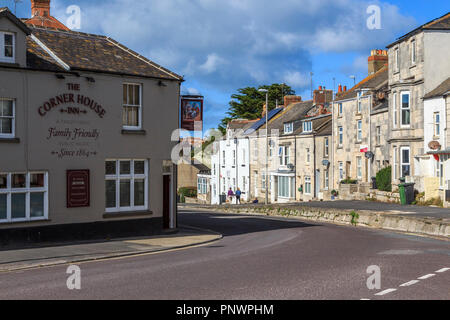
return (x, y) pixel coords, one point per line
(340, 136)
(223, 158)
(308, 186)
(9, 191)
(359, 131)
(286, 183)
(395, 109)
(308, 155)
(359, 168)
(326, 179)
(437, 124)
(413, 52)
(13, 117)
(117, 177)
(395, 155)
(341, 171)
(234, 157)
(405, 163)
(284, 155)
(307, 126)
(327, 147)
(340, 109)
(404, 93)
(3, 58)
(139, 126)
(202, 185)
(288, 127)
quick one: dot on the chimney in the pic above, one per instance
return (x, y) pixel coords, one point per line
(322, 95)
(40, 16)
(40, 8)
(291, 99)
(377, 60)
(340, 88)
(345, 88)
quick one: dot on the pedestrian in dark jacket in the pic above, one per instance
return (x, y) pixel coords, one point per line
(238, 196)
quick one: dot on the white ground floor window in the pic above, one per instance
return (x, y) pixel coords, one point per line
(202, 186)
(307, 185)
(23, 196)
(286, 187)
(126, 185)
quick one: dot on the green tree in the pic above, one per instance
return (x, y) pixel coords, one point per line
(248, 102)
(384, 177)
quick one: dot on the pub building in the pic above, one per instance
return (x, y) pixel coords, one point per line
(85, 133)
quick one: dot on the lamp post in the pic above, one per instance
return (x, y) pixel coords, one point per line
(267, 142)
(354, 79)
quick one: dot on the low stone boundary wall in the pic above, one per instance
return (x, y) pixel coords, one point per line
(371, 219)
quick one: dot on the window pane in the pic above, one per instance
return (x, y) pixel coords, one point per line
(125, 116)
(110, 167)
(9, 51)
(3, 198)
(137, 98)
(139, 167)
(18, 205)
(110, 187)
(3, 181)
(405, 117)
(37, 180)
(132, 116)
(124, 167)
(130, 95)
(125, 94)
(6, 125)
(139, 192)
(125, 193)
(18, 181)
(8, 39)
(36, 205)
(405, 156)
(6, 108)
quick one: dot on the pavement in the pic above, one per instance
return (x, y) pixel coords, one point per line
(258, 258)
(64, 253)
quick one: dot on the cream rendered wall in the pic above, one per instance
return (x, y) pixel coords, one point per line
(34, 152)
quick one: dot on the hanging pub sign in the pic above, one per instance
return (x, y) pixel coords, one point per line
(78, 191)
(192, 113)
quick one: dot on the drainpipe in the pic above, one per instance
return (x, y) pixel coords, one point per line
(315, 168)
(369, 161)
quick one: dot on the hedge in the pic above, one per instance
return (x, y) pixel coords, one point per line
(384, 178)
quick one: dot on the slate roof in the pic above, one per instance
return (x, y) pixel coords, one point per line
(441, 23)
(291, 113)
(96, 53)
(83, 52)
(370, 82)
(440, 90)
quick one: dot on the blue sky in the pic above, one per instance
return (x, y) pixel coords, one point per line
(222, 45)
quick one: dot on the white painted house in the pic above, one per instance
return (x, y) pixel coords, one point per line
(230, 163)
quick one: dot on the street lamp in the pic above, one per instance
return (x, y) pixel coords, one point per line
(354, 79)
(267, 141)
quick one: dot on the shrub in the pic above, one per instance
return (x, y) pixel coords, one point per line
(384, 178)
(349, 181)
(190, 192)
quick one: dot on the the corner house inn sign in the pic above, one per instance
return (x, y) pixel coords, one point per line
(69, 103)
(73, 135)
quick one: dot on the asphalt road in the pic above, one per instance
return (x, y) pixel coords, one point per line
(258, 258)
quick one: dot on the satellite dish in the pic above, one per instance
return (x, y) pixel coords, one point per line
(434, 145)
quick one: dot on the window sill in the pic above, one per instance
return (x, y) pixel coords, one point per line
(24, 221)
(134, 132)
(125, 214)
(413, 66)
(9, 64)
(9, 140)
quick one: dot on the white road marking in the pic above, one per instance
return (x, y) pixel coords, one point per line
(382, 293)
(426, 276)
(443, 270)
(410, 283)
(364, 299)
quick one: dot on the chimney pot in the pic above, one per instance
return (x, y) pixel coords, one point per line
(345, 88)
(340, 88)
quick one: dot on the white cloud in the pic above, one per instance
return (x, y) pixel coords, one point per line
(230, 44)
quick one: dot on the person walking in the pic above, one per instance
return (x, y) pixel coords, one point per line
(238, 196)
(230, 195)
